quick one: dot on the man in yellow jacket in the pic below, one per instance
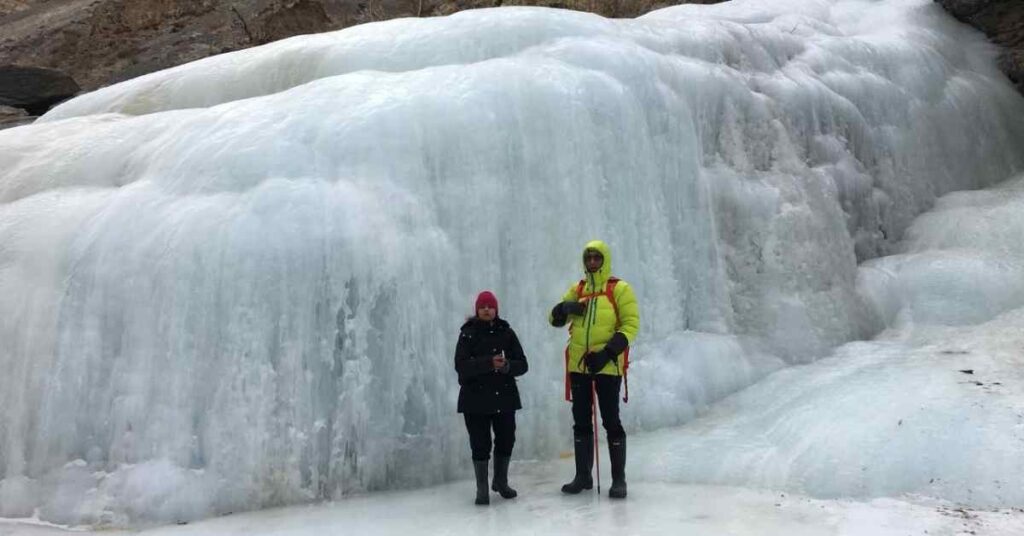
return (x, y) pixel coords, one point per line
(604, 319)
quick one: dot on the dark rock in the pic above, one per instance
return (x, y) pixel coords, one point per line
(964, 9)
(13, 117)
(34, 89)
(1003, 22)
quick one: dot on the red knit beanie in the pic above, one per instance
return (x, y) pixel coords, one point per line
(486, 298)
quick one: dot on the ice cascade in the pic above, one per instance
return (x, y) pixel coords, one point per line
(238, 283)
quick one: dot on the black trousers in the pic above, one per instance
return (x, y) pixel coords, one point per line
(479, 427)
(607, 400)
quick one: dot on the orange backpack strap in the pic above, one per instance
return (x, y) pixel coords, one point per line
(625, 375)
(609, 292)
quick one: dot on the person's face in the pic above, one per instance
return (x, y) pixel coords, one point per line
(593, 260)
(486, 313)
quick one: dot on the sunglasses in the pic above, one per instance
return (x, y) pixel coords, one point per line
(589, 256)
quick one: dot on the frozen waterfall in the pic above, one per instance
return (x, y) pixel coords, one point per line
(237, 283)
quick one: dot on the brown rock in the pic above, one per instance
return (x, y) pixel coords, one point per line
(304, 16)
(99, 42)
(8, 7)
(12, 117)
(10, 112)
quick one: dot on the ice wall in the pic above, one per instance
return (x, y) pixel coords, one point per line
(932, 407)
(237, 283)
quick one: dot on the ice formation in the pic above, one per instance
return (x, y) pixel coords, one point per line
(237, 283)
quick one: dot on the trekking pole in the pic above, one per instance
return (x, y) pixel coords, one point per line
(593, 412)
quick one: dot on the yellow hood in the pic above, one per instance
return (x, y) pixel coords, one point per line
(602, 275)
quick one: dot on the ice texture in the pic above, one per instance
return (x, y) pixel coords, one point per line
(238, 283)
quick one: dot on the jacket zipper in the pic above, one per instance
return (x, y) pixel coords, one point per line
(588, 319)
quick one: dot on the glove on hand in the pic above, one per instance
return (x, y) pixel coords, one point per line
(617, 344)
(574, 308)
(595, 361)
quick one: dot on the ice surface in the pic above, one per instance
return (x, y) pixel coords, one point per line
(888, 417)
(655, 508)
(237, 283)
(963, 263)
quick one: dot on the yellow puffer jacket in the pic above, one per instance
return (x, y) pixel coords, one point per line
(592, 330)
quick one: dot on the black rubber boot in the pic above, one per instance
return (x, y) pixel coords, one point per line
(617, 457)
(483, 495)
(584, 449)
(500, 483)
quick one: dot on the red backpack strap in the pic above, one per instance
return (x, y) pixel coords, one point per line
(625, 375)
(610, 293)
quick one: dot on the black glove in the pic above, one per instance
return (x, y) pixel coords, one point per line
(617, 344)
(595, 361)
(561, 311)
(573, 308)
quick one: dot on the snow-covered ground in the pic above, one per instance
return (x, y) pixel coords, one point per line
(652, 508)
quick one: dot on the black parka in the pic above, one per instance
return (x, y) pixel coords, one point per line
(486, 390)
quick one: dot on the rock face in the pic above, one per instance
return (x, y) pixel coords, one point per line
(100, 42)
(1003, 22)
(34, 89)
(12, 117)
(12, 6)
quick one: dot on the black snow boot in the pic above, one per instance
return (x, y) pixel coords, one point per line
(483, 495)
(500, 483)
(617, 457)
(584, 448)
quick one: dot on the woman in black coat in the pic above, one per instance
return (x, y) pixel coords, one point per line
(488, 357)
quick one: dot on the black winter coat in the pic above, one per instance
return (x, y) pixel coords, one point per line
(485, 390)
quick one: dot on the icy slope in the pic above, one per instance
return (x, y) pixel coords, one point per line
(934, 406)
